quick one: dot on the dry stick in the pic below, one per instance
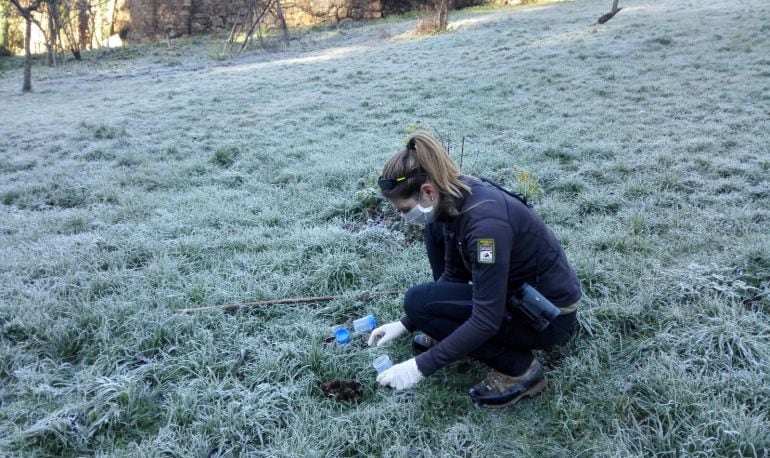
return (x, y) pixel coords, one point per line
(296, 300)
(229, 43)
(249, 34)
(254, 26)
(606, 17)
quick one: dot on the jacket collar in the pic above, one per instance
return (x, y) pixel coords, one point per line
(459, 202)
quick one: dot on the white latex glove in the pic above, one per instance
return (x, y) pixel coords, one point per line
(401, 376)
(386, 333)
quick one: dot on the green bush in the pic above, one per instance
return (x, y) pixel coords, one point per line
(225, 157)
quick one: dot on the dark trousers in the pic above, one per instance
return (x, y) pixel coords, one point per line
(437, 309)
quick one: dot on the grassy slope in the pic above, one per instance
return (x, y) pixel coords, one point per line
(156, 179)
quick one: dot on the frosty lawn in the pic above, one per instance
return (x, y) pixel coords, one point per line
(154, 179)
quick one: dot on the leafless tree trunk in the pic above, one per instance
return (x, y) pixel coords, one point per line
(26, 13)
(282, 20)
(53, 31)
(442, 8)
(83, 9)
(94, 36)
(434, 18)
(4, 28)
(27, 85)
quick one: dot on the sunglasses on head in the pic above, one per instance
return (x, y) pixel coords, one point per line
(388, 184)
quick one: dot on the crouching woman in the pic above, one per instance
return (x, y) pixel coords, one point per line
(491, 253)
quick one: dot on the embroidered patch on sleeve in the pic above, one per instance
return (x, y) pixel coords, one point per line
(487, 251)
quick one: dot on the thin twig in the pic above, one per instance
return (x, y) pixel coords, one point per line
(254, 25)
(296, 300)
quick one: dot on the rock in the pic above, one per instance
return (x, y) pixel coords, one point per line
(321, 7)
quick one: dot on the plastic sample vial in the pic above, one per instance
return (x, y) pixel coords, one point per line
(342, 336)
(382, 363)
(364, 324)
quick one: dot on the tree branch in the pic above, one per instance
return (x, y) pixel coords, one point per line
(25, 11)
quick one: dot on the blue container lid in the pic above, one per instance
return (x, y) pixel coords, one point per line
(342, 335)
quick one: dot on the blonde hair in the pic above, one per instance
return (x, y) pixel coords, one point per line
(423, 159)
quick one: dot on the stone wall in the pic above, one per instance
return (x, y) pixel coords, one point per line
(140, 20)
(304, 12)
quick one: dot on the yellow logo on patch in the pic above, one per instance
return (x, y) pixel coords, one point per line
(487, 251)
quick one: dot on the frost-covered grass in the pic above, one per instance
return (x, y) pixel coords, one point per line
(164, 178)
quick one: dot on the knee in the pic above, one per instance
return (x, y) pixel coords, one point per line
(415, 300)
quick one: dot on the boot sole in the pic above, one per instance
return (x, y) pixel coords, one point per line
(532, 391)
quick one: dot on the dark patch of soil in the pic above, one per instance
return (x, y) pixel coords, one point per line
(342, 390)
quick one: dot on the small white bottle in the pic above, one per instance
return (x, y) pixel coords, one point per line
(382, 363)
(364, 324)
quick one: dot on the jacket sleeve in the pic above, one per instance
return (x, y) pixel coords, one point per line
(489, 245)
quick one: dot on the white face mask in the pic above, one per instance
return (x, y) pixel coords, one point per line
(420, 215)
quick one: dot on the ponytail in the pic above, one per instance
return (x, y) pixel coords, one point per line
(424, 159)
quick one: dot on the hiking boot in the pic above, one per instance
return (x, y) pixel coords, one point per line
(422, 343)
(498, 390)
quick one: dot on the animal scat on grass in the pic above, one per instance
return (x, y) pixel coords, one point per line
(342, 390)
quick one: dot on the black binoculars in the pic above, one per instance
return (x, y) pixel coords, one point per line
(533, 305)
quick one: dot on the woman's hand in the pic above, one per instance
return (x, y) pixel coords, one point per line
(401, 376)
(386, 333)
